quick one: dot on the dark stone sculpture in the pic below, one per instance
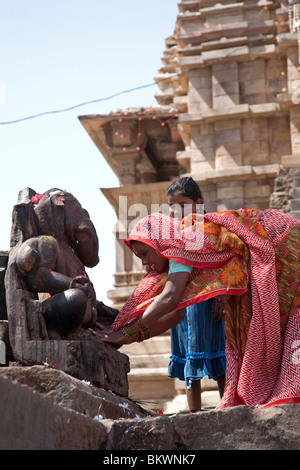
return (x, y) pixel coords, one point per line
(50, 299)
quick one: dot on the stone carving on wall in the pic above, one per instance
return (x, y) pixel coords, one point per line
(51, 302)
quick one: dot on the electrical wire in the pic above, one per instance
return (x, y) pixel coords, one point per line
(130, 90)
(77, 105)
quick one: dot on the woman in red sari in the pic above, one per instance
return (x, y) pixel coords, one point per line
(252, 257)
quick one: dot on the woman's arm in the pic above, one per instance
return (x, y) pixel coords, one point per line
(158, 317)
(167, 300)
(166, 322)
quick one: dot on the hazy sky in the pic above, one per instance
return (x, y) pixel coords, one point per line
(58, 54)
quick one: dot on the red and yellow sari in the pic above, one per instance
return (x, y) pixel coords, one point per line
(252, 257)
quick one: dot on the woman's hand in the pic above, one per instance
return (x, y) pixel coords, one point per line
(218, 308)
(117, 337)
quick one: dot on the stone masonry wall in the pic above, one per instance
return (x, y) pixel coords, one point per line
(286, 196)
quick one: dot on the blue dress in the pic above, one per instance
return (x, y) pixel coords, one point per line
(197, 345)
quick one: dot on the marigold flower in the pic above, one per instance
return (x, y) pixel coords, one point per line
(232, 274)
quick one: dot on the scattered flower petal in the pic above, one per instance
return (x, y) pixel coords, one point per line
(98, 417)
(124, 405)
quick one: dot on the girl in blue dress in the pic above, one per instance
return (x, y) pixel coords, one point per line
(198, 341)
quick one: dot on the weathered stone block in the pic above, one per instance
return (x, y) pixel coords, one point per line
(231, 204)
(253, 189)
(224, 100)
(229, 135)
(30, 421)
(255, 129)
(227, 124)
(249, 87)
(295, 205)
(201, 167)
(203, 141)
(225, 72)
(228, 192)
(69, 392)
(251, 70)
(254, 153)
(230, 149)
(246, 428)
(224, 88)
(295, 193)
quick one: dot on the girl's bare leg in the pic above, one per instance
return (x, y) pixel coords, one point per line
(221, 384)
(193, 395)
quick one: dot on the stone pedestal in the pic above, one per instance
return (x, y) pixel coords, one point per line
(82, 355)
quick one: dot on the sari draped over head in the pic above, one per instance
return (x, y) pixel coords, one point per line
(253, 257)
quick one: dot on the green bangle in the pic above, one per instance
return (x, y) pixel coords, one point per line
(128, 331)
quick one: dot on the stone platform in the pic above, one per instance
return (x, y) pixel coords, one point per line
(84, 357)
(45, 409)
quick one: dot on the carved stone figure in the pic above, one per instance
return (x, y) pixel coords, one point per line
(50, 299)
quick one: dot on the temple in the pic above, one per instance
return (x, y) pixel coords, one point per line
(228, 115)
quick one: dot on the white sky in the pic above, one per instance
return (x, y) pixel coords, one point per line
(57, 54)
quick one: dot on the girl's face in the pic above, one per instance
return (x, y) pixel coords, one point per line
(150, 257)
(181, 206)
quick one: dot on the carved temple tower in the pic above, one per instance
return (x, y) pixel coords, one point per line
(228, 114)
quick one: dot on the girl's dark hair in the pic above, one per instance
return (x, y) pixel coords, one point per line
(186, 186)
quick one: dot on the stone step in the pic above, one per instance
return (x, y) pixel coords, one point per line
(158, 345)
(151, 384)
(143, 360)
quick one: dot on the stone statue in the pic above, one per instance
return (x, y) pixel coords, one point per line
(50, 299)
(51, 250)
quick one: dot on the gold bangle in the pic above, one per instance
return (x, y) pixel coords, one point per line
(141, 337)
(145, 329)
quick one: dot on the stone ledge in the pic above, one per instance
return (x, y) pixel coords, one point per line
(45, 409)
(160, 344)
(65, 390)
(31, 420)
(291, 161)
(152, 372)
(238, 428)
(142, 361)
(241, 172)
(239, 111)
